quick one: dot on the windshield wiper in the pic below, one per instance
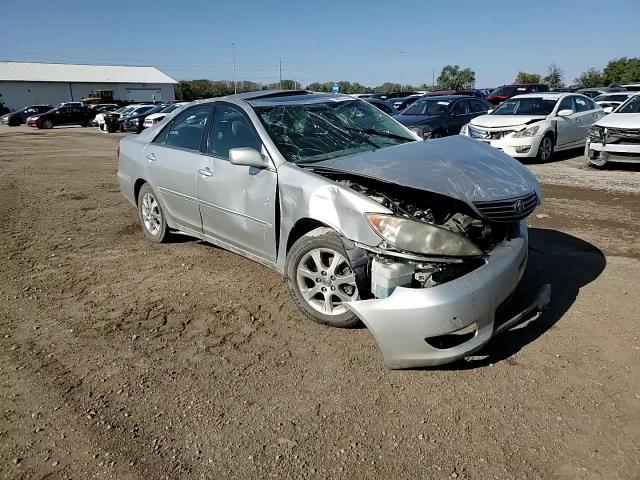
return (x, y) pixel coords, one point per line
(373, 131)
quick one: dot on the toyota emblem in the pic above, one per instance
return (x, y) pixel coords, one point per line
(519, 207)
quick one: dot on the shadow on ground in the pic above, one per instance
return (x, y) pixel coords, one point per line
(557, 157)
(568, 264)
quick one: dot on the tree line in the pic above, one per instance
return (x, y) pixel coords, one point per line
(452, 77)
(618, 71)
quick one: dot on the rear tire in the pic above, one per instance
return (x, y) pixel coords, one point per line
(152, 221)
(322, 275)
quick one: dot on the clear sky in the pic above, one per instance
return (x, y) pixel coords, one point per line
(325, 40)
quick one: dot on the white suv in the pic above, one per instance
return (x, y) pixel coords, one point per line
(536, 124)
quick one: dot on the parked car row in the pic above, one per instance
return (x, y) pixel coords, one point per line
(531, 125)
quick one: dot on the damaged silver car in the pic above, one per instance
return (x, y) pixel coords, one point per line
(423, 242)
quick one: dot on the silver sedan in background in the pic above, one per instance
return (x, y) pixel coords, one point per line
(421, 241)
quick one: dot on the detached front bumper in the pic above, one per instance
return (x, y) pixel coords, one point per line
(406, 323)
(600, 153)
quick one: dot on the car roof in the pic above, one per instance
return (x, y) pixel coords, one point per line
(278, 97)
(608, 94)
(450, 98)
(547, 95)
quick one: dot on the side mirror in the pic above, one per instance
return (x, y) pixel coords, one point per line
(489, 111)
(608, 109)
(565, 113)
(249, 157)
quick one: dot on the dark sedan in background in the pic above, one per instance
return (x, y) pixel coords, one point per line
(384, 105)
(19, 117)
(441, 116)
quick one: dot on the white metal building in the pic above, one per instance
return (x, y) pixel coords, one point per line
(51, 83)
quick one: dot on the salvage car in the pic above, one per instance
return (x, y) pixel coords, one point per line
(154, 118)
(423, 242)
(610, 101)
(65, 115)
(505, 92)
(435, 117)
(114, 121)
(19, 117)
(536, 125)
(616, 137)
(386, 106)
(135, 121)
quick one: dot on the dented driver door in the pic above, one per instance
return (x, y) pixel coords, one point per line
(237, 203)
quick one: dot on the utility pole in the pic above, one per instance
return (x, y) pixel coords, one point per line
(233, 49)
(401, 69)
(280, 62)
(433, 77)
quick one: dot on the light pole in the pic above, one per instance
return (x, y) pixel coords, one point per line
(401, 69)
(233, 50)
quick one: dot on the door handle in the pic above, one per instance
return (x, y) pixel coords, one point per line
(205, 172)
(151, 157)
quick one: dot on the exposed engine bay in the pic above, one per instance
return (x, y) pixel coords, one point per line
(391, 268)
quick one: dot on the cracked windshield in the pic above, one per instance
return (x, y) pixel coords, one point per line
(307, 133)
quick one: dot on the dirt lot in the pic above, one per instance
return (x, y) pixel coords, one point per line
(127, 360)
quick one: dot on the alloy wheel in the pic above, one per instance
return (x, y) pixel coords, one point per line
(151, 214)
(546, 148)
(326, 281)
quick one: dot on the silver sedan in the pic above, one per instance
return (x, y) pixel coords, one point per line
(422, 241)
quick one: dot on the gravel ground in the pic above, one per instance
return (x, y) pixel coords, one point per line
(121, 359)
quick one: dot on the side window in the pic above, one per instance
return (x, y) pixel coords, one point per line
(382, 107)
(187, 129)
(230, 129)
(584, 104)
(30, 110)
(566, 104)
(459, 108)
(478, 106)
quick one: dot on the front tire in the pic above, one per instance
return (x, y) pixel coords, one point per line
(48, 124)
(545, 149)
(152, 221)
(322, 277)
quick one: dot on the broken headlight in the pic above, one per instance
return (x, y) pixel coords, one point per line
(423, 131)
(595, 133)
(419, 237)
(527, 132)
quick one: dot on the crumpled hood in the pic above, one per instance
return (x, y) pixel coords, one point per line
(496, 121)
(457, 166)
(414, 120)
(620, 120)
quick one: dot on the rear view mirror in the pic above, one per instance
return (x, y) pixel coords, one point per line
(249, 157)
(608, 109)
(565, 113)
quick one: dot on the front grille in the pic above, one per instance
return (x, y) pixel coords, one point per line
(624, 133)
(483, 134)
(508, 210)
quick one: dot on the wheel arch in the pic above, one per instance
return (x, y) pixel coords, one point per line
(136, 188)
(301, 228)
